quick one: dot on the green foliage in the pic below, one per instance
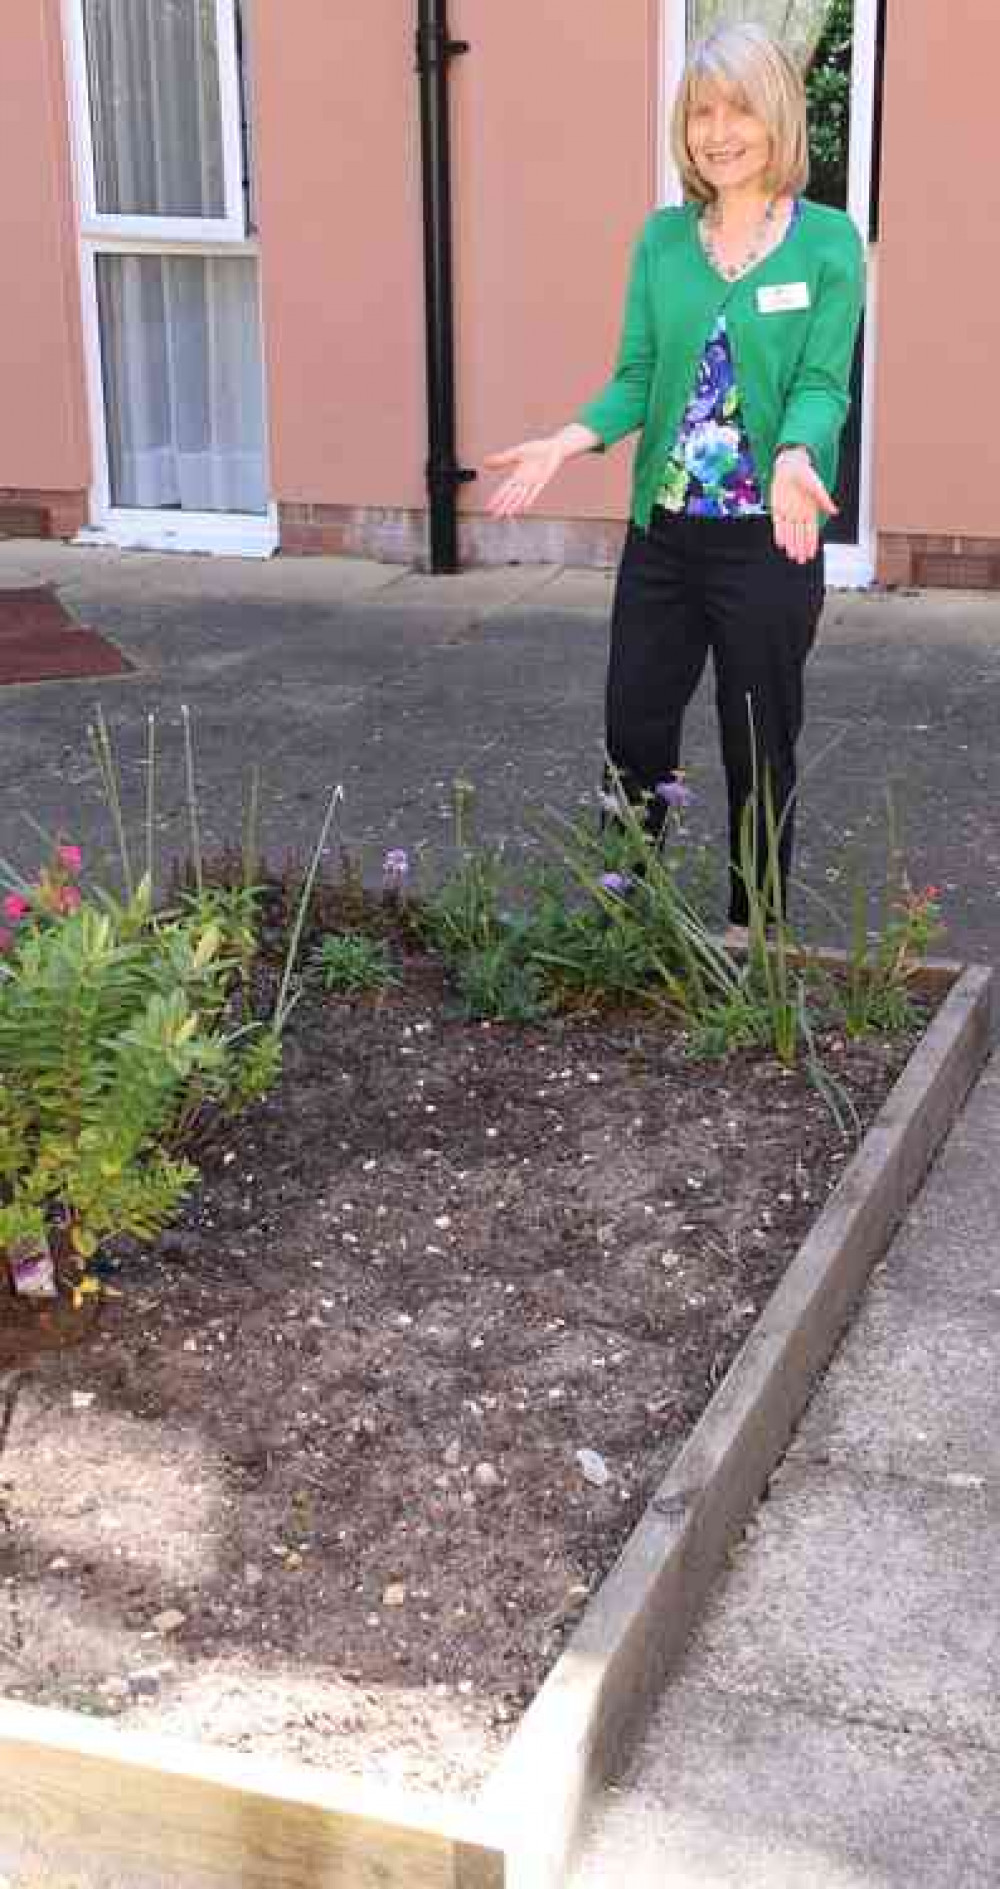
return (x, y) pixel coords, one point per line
(772, 983)
(657, 942)
(828, 90)
(876, 990)
(349, 962)
(497, 983)
(113, 1031)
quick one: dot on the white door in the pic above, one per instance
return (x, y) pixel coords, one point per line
(160, 95)
(840, 43)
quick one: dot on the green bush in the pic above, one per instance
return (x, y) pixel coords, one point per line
(349, 962)
(115, 1032)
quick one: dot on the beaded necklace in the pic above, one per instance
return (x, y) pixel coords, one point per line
(759, 244)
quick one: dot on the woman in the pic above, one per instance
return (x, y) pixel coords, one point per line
(740, 323)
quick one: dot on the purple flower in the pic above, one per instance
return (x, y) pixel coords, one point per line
(617, 883)
(715, 378)
(396, 865)
(675, 792)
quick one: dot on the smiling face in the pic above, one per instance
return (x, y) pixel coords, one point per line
(730, 146)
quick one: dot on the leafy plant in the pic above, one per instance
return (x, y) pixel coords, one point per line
(672, 952)
(495, 982)
(350, 962)
(119, 1030)
(102, 1037)
(462, 917)
(878, 983)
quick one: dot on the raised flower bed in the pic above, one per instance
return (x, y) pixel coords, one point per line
(458, 1312)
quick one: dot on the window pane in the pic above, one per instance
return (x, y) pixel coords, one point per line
(153, 67)
(183, 385)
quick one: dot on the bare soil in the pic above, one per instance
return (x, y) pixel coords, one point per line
(310, 1484)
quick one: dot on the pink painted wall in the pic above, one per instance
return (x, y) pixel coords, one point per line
(937, 470)
(339, 195)
(553, 173)
(43, 421)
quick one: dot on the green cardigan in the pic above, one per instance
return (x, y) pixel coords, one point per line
(792, 347)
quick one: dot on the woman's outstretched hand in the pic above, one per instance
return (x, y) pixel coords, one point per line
(532, 465)
(798, 496)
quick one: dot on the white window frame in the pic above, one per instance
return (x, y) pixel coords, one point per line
(231, 226)
(242, 534)
(848, 566)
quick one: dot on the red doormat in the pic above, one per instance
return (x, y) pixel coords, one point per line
(41, 642)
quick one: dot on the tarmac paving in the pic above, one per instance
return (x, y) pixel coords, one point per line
(393, 683)
(836, 1721)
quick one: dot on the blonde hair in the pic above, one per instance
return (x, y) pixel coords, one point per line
(745, 61)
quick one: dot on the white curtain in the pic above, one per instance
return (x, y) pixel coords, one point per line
(184, 396)
(155, 107)
(797, 23)
(180, 335)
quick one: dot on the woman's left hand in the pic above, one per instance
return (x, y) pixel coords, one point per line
(798, 496)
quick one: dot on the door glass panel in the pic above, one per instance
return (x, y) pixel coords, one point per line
(183, 384)
(819, 33)
(156, 114)
(799, 24)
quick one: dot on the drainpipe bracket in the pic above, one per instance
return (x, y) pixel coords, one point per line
(433, 48)
(443, 476)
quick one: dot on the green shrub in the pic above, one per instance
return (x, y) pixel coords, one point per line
(349, 962)
(114, 1033)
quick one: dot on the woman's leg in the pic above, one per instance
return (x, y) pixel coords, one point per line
(763, 611)
(658, 652)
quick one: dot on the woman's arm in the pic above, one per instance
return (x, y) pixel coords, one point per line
(819, 399)
(621, 405)
(818, 403)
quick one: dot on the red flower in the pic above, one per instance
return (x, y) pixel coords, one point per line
(15, 907)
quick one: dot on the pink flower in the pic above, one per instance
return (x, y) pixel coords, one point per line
(70, 857)
(15, 907)
(7, 940)
(70, 898)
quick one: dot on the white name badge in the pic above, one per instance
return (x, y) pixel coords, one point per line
(782, 296)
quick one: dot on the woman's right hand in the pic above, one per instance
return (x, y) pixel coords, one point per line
(529, 467)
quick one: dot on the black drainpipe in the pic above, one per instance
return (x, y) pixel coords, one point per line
(435, 50)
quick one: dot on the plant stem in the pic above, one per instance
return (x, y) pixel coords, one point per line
(282, 1007)
(100, 742)
(192, 800)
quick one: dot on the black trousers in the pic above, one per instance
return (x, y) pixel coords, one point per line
(688, 586)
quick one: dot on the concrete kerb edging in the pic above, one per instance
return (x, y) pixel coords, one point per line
(577, 1733)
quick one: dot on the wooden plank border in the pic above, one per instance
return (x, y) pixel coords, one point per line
(579, 1730)
(85, 1806)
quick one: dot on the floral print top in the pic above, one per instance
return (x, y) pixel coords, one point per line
(711, 473)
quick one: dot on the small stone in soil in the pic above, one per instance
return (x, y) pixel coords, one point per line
(169, 1620)
(486, 1476)
(146, 1680)
(594, 1467)
(395, 1595)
